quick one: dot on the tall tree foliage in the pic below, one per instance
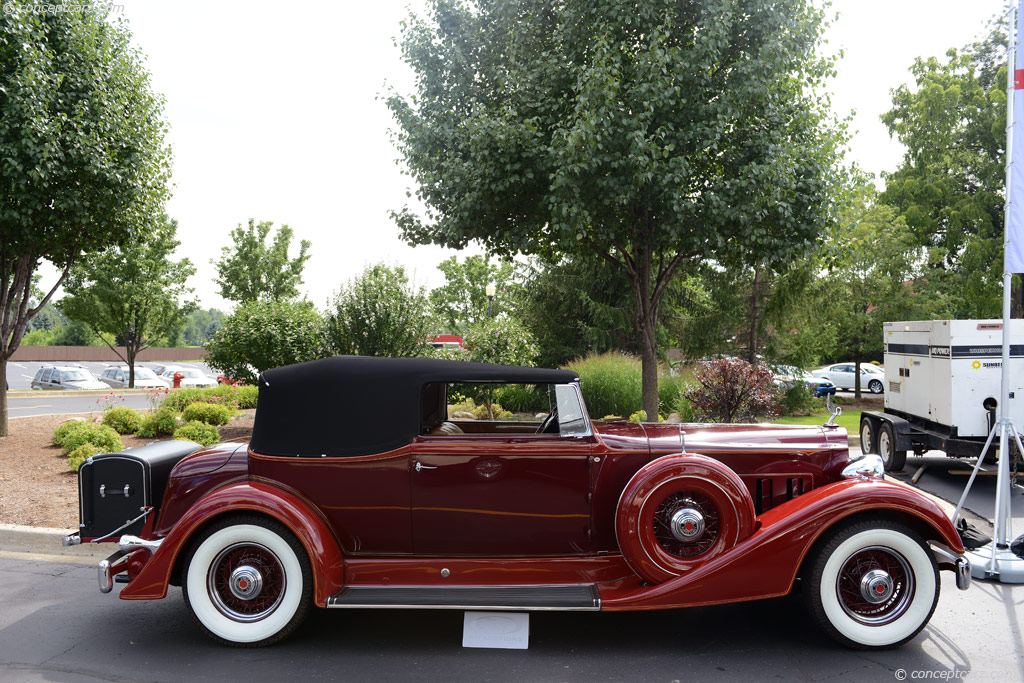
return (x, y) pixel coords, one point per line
(132, 294)
(83, 162)
(949, 186)
(253, 268)
(461, 301)
(380, 313)
(650, 135)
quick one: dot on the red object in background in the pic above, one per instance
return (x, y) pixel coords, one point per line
(445, 341)
(177, 380)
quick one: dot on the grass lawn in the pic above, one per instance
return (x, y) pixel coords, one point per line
(849, 419)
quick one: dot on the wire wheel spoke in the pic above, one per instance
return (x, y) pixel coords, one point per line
(875, 586)
(246, 582)
(662, 524)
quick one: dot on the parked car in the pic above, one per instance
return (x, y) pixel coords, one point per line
(190, 377)
(338, 502)
(788, 375)
(843, 375)
(117, 377)
(65, 377)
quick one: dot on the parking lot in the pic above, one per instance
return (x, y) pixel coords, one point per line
(20, 374)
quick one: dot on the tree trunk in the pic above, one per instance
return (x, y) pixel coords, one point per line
(856, 378)
(3, 398)
(131, 353)
(649, 370)
(755, 317)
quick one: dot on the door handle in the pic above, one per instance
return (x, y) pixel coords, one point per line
(420, 467)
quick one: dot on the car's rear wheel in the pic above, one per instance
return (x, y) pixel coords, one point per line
(872, 585)
(248, 582)
(875, 386)
(893, 459)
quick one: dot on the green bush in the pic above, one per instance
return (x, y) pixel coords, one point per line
(610, 383)
(199, 432)
(81, 454)
(247, 396)
(209, 413)
(123, 420)
(161, 423)
(797, 400)
(234, 397)
(685, 410)
(102, 436)
(641, 416)
(497, 411)
(670, 390)
(179, 398)
(522, 398)
(64, 430)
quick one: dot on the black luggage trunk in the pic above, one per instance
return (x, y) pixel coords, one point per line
(113, 488)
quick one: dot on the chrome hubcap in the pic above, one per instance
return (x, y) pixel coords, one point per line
(876, 586)
(246, 582)
(687, 524)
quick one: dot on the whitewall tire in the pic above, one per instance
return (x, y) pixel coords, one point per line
(873, 585)
(247, 581)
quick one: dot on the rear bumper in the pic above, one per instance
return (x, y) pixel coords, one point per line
(961, 566)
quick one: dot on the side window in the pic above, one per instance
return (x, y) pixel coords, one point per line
(46, 375)
(55, 377)
(571, 420)
(39, 375)
(119, 376)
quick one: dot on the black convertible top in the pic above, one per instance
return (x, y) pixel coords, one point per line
(359, 405)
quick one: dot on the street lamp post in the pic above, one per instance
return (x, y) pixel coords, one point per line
(490, 290)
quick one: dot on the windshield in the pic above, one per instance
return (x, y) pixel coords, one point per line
(76, 376)
(143, 373)
(191, 374)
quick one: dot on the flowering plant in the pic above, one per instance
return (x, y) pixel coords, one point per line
(732, 390)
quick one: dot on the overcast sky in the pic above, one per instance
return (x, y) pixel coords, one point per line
(275, 114)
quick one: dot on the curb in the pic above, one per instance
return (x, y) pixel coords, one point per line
(17, 540)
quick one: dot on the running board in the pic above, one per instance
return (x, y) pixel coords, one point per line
(580, 598)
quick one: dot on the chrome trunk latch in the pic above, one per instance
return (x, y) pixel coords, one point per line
(125, 492)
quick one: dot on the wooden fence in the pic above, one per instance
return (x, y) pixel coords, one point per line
(103, 353)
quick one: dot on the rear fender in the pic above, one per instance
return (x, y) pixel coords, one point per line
(325, 557)
(766, 564)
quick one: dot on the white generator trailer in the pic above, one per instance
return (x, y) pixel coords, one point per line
(942, 389)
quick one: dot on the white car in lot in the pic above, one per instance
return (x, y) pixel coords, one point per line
(191, 377)
(117, 377)
(843, 375)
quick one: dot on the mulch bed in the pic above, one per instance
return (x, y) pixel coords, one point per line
(36, 486)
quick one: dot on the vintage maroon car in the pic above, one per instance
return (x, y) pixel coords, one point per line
(358, 490)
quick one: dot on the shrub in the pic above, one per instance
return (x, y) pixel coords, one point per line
(522, 398)
(179, 398)
(247, 396)
(64, 430)
(123, 420)
(670, 390)
(501, 340)
(797, 399)
(81, 454)
(497, 411)
(102, 436)
(161, 423)
(733, 390)
(641, 416)
(199, 432)
(209, 413)
(610, 383)
(685, 410)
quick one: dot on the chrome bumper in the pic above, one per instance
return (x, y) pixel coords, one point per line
(107, 568)
(71, 539)
(961, 565)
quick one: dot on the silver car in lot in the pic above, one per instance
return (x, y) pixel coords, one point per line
(117, 377)
(843, 375)
(191, 377)
(65, 377)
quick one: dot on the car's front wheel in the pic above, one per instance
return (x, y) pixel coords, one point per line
(873, 585)
(247, 581)
(875, 386)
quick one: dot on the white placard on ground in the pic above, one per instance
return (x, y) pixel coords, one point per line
(508, 630)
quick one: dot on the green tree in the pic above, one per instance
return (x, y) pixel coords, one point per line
(501, 340)
(462, 300)
(201, 325)
(650, 135)
(82, 153)
(133, 293)
(379, 313)
(949, 186)
(265, 334)
(253, 269)
(874, 278)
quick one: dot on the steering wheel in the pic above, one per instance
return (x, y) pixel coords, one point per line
(550, 421)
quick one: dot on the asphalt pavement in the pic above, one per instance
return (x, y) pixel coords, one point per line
(68, 403)
(56, 626)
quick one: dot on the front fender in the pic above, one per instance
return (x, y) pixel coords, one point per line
(766, 564)
(325, 557)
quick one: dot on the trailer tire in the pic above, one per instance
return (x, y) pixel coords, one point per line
(893, 459)
(868, 431)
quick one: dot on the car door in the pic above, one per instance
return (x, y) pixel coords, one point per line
(54, 381)
(841, 375)
(501, 494)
